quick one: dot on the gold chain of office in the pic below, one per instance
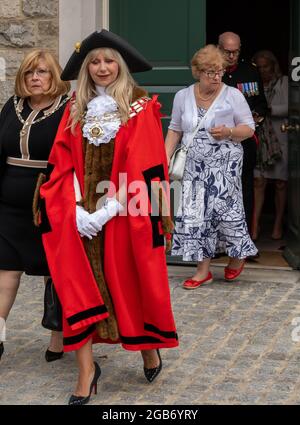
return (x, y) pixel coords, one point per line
(47, 114)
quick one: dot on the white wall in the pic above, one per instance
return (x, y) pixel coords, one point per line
(78, 19)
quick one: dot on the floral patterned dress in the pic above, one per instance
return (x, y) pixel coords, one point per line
(210, 217)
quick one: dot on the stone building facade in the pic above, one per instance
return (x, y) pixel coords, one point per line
(24, 25)
(53, 24)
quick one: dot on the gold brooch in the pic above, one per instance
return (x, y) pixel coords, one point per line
(96, 131)
(77, 46)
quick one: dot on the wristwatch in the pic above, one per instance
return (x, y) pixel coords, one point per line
(230, 135)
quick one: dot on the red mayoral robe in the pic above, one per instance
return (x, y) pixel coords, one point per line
(134, 257)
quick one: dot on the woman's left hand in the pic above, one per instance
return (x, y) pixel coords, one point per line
(220, 133)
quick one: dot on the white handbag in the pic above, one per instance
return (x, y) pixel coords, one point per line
(177, 163)
(178, 159)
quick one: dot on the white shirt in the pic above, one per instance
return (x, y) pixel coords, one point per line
(184, 114)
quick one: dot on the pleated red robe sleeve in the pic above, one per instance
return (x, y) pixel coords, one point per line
(70, 269)
(134, 259)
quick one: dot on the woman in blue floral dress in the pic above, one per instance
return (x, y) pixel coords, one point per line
(210, 217)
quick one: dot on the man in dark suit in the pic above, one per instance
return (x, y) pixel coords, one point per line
(245, 77)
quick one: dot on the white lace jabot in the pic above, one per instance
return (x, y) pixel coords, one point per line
(102, 119)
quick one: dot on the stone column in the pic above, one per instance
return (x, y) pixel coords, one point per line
(78, 19)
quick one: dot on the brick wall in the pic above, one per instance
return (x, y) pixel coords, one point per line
(24, 25)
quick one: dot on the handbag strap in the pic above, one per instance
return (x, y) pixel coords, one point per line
(193, 134)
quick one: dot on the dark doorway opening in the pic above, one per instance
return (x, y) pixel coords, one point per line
(261, 25)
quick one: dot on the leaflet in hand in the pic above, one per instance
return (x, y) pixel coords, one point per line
(224, 117)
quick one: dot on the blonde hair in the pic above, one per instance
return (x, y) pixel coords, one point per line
(121, 89)
(30, 62)
(267, 54)
(209, 57)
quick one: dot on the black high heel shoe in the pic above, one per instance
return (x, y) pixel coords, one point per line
(151, 374)
(51, 356)
(77, 400)
(1, 349)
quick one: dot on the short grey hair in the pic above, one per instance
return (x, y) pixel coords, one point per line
(229, 35)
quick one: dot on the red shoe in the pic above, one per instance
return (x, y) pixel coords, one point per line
(193, 284)
(232, 274)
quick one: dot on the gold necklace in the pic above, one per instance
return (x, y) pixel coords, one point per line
(208, 98)
(19, 107)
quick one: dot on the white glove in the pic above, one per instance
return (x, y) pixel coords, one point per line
(85, 228)
(109, 210)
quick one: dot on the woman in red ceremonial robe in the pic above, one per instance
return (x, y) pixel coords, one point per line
(106, 249)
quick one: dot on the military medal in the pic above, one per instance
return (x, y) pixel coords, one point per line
(240, 87)
(251, 88)
(247, 89)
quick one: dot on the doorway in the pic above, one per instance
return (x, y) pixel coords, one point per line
(261, 25)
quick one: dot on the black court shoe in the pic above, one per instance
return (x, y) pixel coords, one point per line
(51, 356)
(77, 400)
(1, 349)
(151, 374)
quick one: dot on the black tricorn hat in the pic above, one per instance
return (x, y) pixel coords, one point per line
(134, 60)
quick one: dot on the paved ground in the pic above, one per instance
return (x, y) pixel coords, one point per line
(236, 347)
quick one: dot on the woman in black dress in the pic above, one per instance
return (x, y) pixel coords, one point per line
(28, 125)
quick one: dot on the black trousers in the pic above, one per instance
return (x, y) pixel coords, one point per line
(249, 146)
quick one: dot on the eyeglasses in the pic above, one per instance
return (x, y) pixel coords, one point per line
(39, 72)
(231, 52)
(213, 74)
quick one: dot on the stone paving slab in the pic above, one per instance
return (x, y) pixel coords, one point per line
(236, 347)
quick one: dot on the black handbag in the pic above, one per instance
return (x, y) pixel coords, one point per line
(52, 318)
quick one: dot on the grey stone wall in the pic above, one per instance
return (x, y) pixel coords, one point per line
(24, 25)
